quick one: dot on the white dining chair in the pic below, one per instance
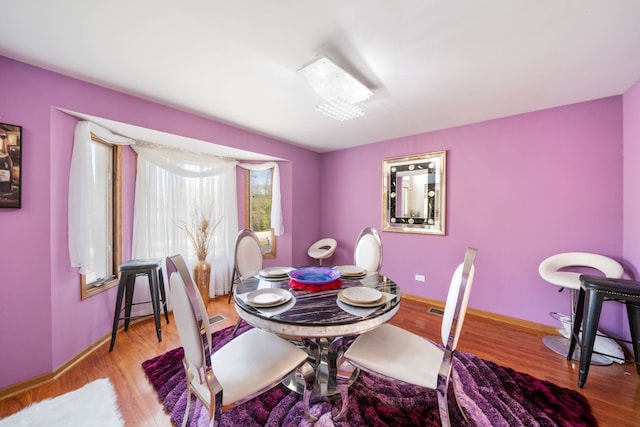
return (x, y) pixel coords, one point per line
(397, 353)
(243, 368)
(368, 250)
(176, 263)
(247, 258)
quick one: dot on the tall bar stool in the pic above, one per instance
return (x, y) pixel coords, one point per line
(152, 268)
(595, 290)
(564, 270)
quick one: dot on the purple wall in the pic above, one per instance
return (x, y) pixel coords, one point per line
(43, 322)
(519, 189)
(631, 135)
(631, 192)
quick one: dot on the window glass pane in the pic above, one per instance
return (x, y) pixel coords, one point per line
(259, 189)
(260, 200)
(101, 236)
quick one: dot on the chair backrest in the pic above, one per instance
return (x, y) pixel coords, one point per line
(457, 300)
(176, 264)
(188, 327)
(553, 268)
(368, 251)
(248, 255)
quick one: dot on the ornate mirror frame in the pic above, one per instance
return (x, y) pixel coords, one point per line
(413, 193)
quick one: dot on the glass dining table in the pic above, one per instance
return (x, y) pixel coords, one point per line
(322, 321)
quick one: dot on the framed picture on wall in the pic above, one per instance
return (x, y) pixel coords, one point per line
(10, 165)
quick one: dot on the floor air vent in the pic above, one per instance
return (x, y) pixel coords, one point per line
(216, 318)
(436, 311)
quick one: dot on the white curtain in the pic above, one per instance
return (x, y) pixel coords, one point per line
(171, 186)
(85, 232)
(276, 204)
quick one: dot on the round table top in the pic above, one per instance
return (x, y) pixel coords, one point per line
(318, 314)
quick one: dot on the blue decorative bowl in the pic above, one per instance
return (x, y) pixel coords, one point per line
(315, 275)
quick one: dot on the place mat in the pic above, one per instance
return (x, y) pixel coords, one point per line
(363, 311)
(269, 311)
(297, 286)
(268, 297)
(361, 295)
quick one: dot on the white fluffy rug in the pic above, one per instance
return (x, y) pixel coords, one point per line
(93, 405)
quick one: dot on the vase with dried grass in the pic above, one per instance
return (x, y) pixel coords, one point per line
(200, 235)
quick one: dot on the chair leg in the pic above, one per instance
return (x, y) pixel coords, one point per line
(186, 411)
(464, 414)
(163, 296)
(233, 280)
(154, 288)
(633, 313)
(128, 298)
(577, 324)
(443, 404)
(235, 328)
(116, 315)
(590, 326)
(215, 409)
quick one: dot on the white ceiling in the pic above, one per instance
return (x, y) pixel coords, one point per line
(432, 64)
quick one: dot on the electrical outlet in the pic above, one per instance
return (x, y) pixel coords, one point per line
(419, 278)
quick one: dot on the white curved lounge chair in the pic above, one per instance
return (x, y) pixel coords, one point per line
(322, 249)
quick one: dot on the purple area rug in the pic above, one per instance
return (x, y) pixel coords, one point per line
(492, 395)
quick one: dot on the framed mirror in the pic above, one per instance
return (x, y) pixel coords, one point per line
(413, 193)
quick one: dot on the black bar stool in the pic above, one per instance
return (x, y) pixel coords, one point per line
(596, 290)
(129, 270)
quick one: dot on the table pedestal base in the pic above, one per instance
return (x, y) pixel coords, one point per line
(322, 368)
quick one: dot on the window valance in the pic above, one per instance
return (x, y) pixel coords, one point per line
(182, 162)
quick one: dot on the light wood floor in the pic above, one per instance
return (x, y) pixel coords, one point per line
(613, 391)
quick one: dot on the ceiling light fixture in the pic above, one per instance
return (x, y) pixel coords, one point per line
(343, 94)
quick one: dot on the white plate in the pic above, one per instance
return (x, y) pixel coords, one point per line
(383, 299)
(275, 272)
(351, 270)
(268, 297)
(360, 294)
